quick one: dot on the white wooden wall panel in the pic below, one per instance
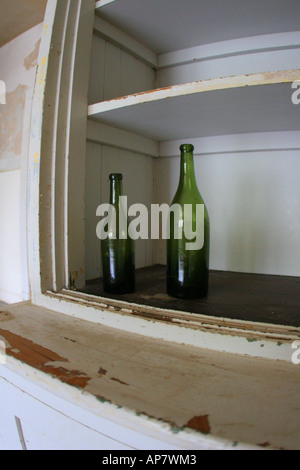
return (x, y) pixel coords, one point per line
(9, 436)
(33, 425)
(137, 184)
(115, 72)
(93, 198)
(137, 172)
(270, 61)
(112, 75)
(96, 80)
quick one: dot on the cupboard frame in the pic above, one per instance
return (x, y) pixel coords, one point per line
(56, 208)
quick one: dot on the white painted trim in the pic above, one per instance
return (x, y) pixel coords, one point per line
(257, 79)
(137, 431)
(254, 339)
(258, 142)
(34, 163)
(76, 138)
(107, 135)
(10, 297)
(59, 103)
(102, 3)
(39, 218)
(124, 41)
(239, 46)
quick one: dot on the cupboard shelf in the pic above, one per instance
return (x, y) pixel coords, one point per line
(168, 25)
(230, 105)
(237, 296)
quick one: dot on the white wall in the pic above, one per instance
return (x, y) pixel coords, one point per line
(253, 199)
(114, 73)
(17, 69)
(137, 173)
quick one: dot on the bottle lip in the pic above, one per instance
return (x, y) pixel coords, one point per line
(115, 177)
(187, 148)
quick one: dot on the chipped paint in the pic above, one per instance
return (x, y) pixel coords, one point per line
(174, 428)
(103, 399)
(5, 316)
(72, 280)
(42, 71)
(42, 359)
(31, 60)
(270, 334)
(200, 423)
(214, 84)
(119, 381)
(122, 370)
(36, 160)
(264, 444)
(102, 371)
(12, 120)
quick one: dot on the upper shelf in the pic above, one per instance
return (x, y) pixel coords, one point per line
(168, 25)
(231, 105)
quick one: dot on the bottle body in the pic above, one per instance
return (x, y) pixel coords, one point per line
(117, 249)
(188, 257)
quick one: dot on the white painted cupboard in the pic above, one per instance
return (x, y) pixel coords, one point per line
(120, 85)
(206, 57)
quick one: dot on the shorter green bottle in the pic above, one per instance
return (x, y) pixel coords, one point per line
(117, 250)
(188, 269)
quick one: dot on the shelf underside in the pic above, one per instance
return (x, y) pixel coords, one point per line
(168, 25)
(246, 109)
(239, 296)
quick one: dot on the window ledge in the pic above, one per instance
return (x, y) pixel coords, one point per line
(189, 396)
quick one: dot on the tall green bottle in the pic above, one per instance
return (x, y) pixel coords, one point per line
(117, 250)
(188, 269)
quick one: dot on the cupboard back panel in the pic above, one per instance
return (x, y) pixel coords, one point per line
(115, 72)
(242, 64)
(137, 173)
(253, 200)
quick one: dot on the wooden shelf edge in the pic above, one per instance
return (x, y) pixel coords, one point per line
(102, 3)
(215, 84)
(107, 374)
(217, 334)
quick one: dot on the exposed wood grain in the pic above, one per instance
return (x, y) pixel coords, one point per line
(42, 359)
(233, 397)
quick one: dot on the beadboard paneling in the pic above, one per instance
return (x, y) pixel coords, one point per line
(137, 172)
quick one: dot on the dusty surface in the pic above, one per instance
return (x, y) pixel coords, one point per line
(233, 397)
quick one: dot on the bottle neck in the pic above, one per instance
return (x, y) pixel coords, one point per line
(187, 171)
(116, 190)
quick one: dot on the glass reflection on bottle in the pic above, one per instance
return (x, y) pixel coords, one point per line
(188, 269)
(117, 249)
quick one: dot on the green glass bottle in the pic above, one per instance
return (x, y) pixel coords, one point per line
(188, 243)
(117, 250)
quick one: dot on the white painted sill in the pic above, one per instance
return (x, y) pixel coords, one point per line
(189, 397)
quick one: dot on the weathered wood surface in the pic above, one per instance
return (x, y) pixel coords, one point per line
(225, 396)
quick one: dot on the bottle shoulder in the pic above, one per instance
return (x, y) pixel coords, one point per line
(188, 196)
